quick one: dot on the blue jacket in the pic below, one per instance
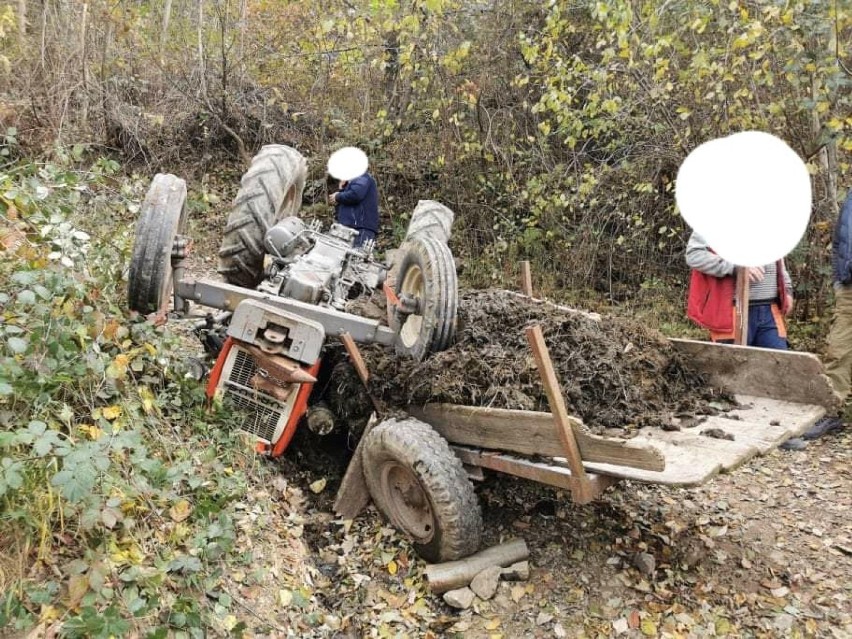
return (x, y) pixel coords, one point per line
(358, 204)
(842, 244)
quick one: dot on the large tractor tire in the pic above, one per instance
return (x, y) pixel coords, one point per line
(426, 276)
(162, 219)
(417, 482)
(431, 218)
(269, 191)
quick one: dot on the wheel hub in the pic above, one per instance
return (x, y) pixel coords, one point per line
(409, 506)
(412, 292)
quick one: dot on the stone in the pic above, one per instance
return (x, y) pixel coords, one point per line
(460, 598)
(516, 572)
(485, 583)
(645, 563)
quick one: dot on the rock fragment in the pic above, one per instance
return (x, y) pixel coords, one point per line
(485, 583)
(460, 598)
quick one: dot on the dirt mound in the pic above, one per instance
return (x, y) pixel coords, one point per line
(615, 373)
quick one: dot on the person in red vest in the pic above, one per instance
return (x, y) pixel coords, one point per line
(711, 303)
(770, 298)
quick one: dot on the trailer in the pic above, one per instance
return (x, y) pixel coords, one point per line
(779, 395)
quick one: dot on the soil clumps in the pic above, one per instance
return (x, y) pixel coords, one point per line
(615, 373)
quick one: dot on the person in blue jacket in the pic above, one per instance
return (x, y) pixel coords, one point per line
(356, 204)
(838, 357)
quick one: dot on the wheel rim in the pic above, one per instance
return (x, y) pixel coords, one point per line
(409, 506)
(413, 285)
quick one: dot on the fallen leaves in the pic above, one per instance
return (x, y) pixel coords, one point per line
(180, 510)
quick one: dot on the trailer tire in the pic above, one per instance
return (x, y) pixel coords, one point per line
(418, 483)
(427, 272)
(162, 219)
(269, 191)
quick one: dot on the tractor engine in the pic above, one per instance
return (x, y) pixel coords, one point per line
(318, 268)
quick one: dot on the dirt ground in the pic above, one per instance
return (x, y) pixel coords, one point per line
(765, 551)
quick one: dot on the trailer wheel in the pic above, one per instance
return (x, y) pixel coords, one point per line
(421, 487)
(162, 219)
(269, 191)
(425, 321)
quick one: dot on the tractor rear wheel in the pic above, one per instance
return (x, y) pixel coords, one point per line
(269, 191)
(162, 219)
(425, 321)
(418, 483)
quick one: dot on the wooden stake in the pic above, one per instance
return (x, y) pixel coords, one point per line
(557, 407)
(353, 494)
(355, 356)
(741, 308)
(526, 279)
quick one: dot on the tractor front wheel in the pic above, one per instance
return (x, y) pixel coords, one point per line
(162, 219)
(427, 286)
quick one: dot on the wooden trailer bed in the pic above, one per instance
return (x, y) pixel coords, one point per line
(781, 395)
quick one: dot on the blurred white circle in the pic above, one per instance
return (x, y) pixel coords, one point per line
(748, 195)
(347, 163)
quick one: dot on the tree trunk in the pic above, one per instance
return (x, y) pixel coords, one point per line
(457, 574)
(202, 85)
(22, 20)
(164, 30)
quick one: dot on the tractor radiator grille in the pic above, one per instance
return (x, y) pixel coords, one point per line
(262, 413)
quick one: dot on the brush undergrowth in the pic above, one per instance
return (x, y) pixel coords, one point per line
(117, 487)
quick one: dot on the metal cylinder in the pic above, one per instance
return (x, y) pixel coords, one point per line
(320, 419)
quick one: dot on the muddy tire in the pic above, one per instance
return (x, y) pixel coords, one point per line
(162, 218)
(269, 191)
(431, 218)
(427, 272)
(417, 482)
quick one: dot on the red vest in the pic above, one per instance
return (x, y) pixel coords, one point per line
(710, 300)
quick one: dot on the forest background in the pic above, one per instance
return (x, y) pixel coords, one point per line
(553, 129)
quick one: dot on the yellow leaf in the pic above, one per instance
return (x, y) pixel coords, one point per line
(78, 586)
(229, 622)
(90, 431)
(48, 613)
(649, 628)
(493, 624)
(111, 412)
(180, 510)
(392, 567)
(722, 627)
(147, 399)
(318, 486)
(111, 329)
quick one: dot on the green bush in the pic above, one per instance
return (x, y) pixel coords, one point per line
(116, 484)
